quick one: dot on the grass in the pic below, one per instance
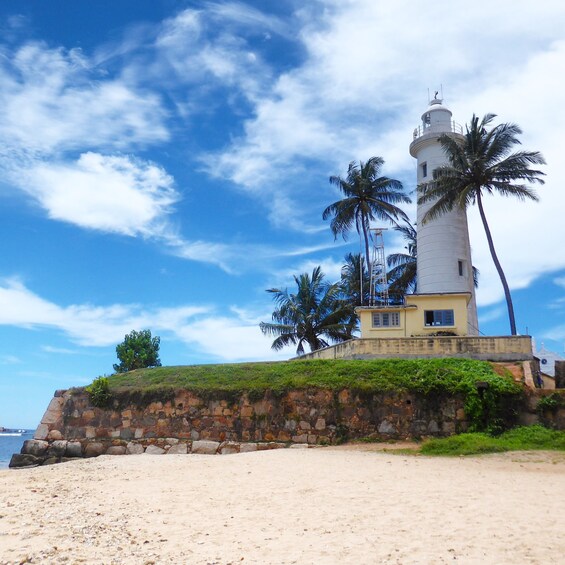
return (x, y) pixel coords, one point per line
(388, 375)
(524, 438)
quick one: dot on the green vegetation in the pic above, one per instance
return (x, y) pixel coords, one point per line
(316, 313)
(367, 197)
(99, 392)
(550, 402)
(430, 377)
(517, 439)
(137, 351)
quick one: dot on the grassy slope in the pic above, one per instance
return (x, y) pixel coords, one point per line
(421, 375)
(518, 439)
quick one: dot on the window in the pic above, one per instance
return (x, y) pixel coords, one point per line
(386, 319)
(424, 170)
(438, 318)
(461, 267)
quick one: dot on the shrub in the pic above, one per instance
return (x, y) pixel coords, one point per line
(99, 392)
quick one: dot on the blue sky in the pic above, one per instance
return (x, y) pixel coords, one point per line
(163, 162)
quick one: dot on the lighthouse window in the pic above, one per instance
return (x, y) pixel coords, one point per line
(386, 319)
(424, 170)
(439, 318)
(461, 266)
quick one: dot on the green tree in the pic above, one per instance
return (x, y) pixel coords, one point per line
(367, 197)
(355, 279)
(316, 314)
(402, 275)
(138, 351)
(481, 163)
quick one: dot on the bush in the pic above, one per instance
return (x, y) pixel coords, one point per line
(138, 351)
(99, 392)
(521, 438)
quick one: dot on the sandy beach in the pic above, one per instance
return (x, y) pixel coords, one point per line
(352, 505)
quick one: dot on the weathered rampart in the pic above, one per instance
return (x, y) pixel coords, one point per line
(185, 422)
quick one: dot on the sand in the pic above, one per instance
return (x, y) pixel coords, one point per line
(324, 506)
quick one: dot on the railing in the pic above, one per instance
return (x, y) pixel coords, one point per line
(454, 127)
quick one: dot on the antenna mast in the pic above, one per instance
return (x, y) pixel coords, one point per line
(379, 285)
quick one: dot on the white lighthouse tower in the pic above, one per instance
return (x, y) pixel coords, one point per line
(444, 253)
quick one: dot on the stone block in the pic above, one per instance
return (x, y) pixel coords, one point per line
(171, 440)
(290, 425)
(57, 448)
(138, 433)
(19, 460)
(320, 424)
(74, 449)
(299, 446)
(229, 448)
(302, 438)
(116, 450)
(41, 432)
(35, 447)
(94, 449)
(126, 433)
(54, 435)
(205, 447)
(90, 432)
(52, 460)
(54, 411)
(270, 445)
(305, 425)
(433, 427)
(178, 449)
(385, 427)
(247, 447)
(154, 450)
(134, 448)
(115, 434)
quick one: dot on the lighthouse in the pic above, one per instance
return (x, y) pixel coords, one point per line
(443, 305)
(443, 249)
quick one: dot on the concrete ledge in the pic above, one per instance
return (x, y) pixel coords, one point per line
(499, 348)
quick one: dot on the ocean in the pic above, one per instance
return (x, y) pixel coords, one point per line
(10, 445)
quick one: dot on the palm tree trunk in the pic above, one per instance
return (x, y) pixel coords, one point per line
(498, 266)
(366, 236)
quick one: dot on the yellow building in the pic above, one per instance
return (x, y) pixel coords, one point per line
(420, 315)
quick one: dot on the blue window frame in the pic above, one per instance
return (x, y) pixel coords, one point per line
(439, 318)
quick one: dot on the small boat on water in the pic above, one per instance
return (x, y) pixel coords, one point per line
(9, 432)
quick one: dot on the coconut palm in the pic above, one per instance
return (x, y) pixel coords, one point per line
(367, 197)
(481, 163)
(402, 275)
(355, 279)
(317, 314)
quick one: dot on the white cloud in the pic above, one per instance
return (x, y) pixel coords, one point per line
(53, 100)
(60, 350)
(108, 193)
(232, 335)
(559, 281)
(9, 360)
(354, 98)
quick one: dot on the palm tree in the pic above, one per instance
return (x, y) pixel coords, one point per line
(355, 279)
(481, 163)
(317, 309)
(368, 197)
(402, 275)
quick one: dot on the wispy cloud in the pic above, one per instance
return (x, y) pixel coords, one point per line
(230, 335)
(107, 193)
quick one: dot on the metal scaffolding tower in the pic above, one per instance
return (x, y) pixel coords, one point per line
(379, 286)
